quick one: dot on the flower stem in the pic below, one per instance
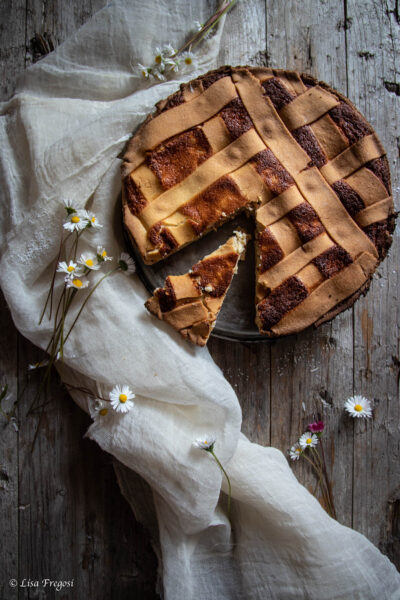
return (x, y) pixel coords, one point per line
(212, 21)
(327, 481)
(87, 298)
(227, 479)
(51, 290)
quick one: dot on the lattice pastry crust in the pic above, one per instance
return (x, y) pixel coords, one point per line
(290, 150)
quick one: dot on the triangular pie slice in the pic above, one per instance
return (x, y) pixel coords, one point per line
(190, 303)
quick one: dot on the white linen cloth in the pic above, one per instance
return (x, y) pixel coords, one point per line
(60, 137)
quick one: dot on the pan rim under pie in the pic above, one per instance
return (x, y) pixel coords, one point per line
(288, 149)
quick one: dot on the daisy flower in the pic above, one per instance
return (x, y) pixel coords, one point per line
(143, 71)
(126, 264)
(316, 427)
(162, 53)
(76, 221)
(205, 443)
(101, 408)
(89, 261)
(188, 59)
(76, 283)
(173, 64)
(68, 268)
(308, 440)
(358, 406)
(102, 255)
(68, 207)
(121, 398)
(295, 451)
(91, 220)
(159, 75)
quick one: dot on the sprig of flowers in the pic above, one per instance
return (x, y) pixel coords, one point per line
(207, 444)
(310, 447)
(168, 61)
(120, 399)
(77, 273)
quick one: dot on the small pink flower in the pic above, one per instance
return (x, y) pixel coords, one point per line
(316, 427)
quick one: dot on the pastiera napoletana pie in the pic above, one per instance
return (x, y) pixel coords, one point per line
(292, 152)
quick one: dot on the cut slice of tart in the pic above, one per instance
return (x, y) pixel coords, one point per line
(190, 303)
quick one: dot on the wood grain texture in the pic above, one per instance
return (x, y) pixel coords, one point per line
(373, 54)
(63, 515)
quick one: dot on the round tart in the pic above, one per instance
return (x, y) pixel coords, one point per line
(292, 152)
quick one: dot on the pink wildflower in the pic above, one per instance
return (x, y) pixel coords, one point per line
(316, 427)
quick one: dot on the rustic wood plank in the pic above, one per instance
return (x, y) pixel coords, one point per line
(246, 366)
(373, 46)
(8, 456)
(12, 56)
(311, 373)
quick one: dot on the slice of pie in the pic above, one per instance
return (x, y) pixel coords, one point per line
(190, 303)
(286, 148)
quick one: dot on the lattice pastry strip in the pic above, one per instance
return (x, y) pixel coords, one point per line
(286, 146)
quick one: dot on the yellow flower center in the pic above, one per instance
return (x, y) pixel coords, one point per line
(93, 219)
(158, 59)
(358, 407)
(89, 262)
(77, 283)
(70, 269)
(75, 219)
(188, 60)
(123, 398)
(298, 450)
(144, 73)
(103, 412)
(308, 441)
(104, 254)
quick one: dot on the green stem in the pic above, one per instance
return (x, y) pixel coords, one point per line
(51, 290)
(227, 479)
(328, 483)
(320, 475)
(86, 300)
(212, 21)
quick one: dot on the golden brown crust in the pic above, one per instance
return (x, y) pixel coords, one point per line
(190, 303)
(287, 145)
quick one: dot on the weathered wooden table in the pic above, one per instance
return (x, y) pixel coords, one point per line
(62, 515)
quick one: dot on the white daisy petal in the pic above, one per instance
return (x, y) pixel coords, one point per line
(359, 407)
(102, 254)
(143, 71)
(295, 451)
(121, 398)
(126, 264)
(76, 283)
(308, 440)
(89, 261)
(188, 60)
(68, 207)
(101, 409)
(70, 268)
(76, 221)
(205, 443)
(91, 220)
